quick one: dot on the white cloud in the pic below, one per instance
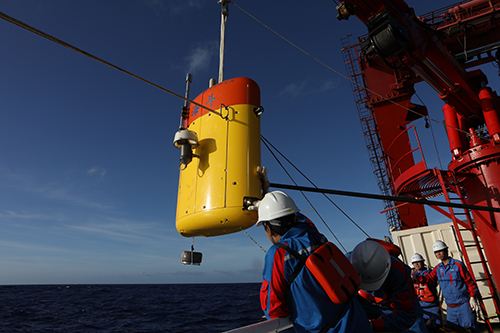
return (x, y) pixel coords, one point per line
(329, 85)
(53, 191)
(294, 89)
(123, 229)
(96, 171)
(30, 246)
(200, 58)
(7, 215)
(62, 194)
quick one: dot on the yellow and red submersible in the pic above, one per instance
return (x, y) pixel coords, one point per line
(222, 174)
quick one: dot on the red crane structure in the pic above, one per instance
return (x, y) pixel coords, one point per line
(442, 48)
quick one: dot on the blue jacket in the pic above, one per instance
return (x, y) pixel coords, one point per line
(304, 301)
(454, 280)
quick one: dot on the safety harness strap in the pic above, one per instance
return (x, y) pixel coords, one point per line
(300, 257)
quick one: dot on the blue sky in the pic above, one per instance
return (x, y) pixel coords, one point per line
(88, 174)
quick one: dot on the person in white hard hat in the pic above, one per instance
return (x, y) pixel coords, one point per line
(387, 289)
(288, 288)
(459, 289)
(426, 292)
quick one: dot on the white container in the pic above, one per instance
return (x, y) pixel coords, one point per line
(420, 240)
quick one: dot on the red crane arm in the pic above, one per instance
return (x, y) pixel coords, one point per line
(398, 36)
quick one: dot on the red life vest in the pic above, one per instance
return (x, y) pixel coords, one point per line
(331, 269)
(424, 292)
(334, 272)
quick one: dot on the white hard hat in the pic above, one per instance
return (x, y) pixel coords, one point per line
(373, 264)
(439, 245)
(274, 205)
(416, 258)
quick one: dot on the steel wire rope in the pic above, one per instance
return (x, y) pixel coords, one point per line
(254, 240)
(127, 72)
(59, 41)
(65, 44)
(432, 133)
(313, 184)
(305, 197)
(85, 53)
(330, 68)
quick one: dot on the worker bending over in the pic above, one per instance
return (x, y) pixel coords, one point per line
(289, 288)
(459, 289)
(387, 289)
(426, 292)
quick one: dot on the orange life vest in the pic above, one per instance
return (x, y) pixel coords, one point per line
(333, 271)
(425, 293)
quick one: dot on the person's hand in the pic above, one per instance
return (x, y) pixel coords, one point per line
(474, 304)
(262, 173)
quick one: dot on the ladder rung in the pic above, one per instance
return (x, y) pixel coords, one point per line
(475, 262)
(482, 279)
(485, 297)
(473, 245)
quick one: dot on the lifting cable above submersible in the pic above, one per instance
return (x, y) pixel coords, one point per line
(61, 42)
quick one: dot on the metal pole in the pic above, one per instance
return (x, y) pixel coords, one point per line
(223, 20)
(384, 197)
(185, 107)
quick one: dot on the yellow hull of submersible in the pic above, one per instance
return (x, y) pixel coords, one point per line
(223, 171)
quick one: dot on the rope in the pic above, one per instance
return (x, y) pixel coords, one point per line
(58, 41)
(313, 184)
(432, 133)
(305, 197)
(96, 58)
(331, 69)
(253, 240)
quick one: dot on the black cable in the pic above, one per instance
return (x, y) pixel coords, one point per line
(386, 197)
(305, 197)
(330, 68)
(96, 58)
(313, 184)
(56, 40)
(432, 133)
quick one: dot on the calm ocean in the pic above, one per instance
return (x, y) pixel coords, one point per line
(128, 308)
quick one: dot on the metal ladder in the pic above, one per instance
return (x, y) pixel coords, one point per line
(469, 225)
(350, 52)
